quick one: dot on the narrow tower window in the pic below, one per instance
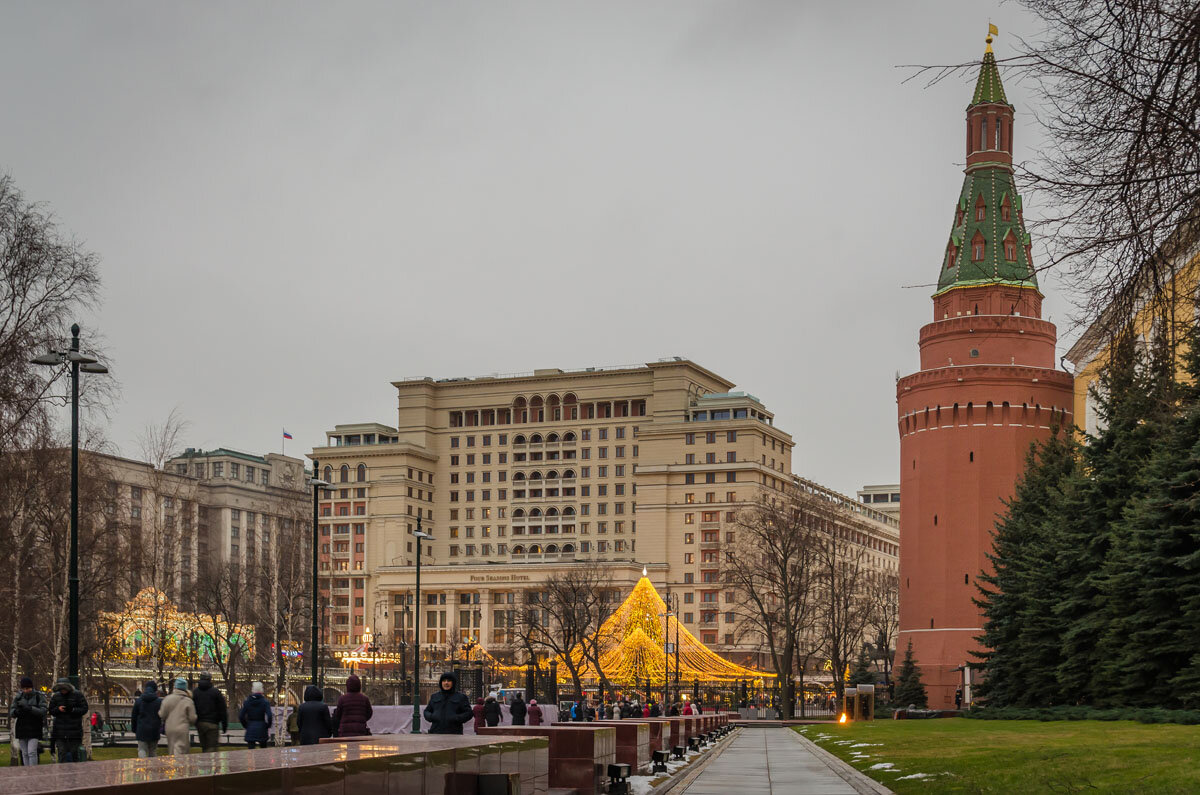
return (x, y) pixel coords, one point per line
(1006, 210)
(977, 249)
(980, 209)
(1010, 249)
(983, 136)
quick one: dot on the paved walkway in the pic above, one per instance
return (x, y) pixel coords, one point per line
(767, 761)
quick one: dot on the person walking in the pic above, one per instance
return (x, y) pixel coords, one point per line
(958, 698)
(477, 713)
(27, 717)
(67, 708)
(178, 713)
(146, 722)
(449, 709)
(491, 711)
(673, 711)
(212, 713)
(312, 718)
(655, 710)
(255, 716)
(535, 713)
(687, 709)
(353, 711)
(517, 710)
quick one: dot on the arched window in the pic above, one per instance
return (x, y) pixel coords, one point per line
(551, 512)
(535, 475)
(569, 473)
(362, 473)
(535, 513)
(328, 474)
(980, 209)
(568, 548)
(951, 257)
(518, 550)
(535, 439)
(569, 436)
(553, 437)
(519, 439)
(519, 513)
(345, 473)
(568, 511)
(977, 248)
(518, 475)
(1006, 210)
(983, 136)
(552, 474)
(551, 549)
(1010, 248)
(534, 549)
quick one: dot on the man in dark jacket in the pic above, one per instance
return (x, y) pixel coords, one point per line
(67, 708)
(353, 711)
(447, 709)
(491, 711)
(312, 718)
(145, 721)
(28, 714)
(212, 713)
(517, 710)
(256, 717)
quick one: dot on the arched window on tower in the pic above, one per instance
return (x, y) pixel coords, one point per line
(1006, 209)
(980, 209)
(983, 136)
(977, 248)
(1010, 248)
(951, 257)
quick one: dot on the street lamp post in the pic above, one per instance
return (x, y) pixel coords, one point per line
(420, 535)
(317, 484)
(79, 363)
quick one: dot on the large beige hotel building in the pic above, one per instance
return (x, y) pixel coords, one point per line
(519, 476)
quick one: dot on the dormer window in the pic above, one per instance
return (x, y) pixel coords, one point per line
(980, 209)
(951, 257)
(977, 248)
(1010, 249)
(1006, 210)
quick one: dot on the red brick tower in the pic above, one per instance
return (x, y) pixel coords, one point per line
(987, 387)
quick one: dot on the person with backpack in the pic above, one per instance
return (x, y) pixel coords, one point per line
(448, 709)
(145, 721)
(67, 708)
(178, 713)
(27, 717)
(313, 721)
(255, 716)
(212, 713)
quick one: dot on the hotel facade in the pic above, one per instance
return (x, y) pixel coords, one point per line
(518, 477)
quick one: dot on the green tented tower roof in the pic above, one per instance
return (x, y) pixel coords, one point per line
(988, 87)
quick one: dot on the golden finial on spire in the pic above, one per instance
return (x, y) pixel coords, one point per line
(992, 31)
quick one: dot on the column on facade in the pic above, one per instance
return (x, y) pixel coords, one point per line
(485, 616)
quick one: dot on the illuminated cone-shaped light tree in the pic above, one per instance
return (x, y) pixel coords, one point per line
(632, 653)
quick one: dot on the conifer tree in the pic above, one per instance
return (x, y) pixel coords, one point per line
(909, 687)
(1134, 401)
(1021, 631)
(1151, 588)
(862, 673)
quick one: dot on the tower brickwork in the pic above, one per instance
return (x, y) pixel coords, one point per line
(986, 390)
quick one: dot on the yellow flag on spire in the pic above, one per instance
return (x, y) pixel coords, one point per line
(993, 30)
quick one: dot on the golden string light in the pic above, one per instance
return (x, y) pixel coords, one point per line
(632, 653)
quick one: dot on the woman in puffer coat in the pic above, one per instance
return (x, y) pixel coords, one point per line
(353, 711)
(256, 717)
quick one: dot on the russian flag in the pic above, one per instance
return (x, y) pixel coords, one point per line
(286, 435)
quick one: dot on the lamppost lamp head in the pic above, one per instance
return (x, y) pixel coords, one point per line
(422, 534)
(48, 359)
(93, 368)
(317, 482)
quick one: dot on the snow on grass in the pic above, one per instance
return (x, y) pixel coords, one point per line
(882, 766)
(866, 745)
(924, 775)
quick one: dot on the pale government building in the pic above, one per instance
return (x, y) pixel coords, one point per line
(519, 476)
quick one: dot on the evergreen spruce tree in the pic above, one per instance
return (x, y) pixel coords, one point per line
(1133, 405)
(1021, 632)
(909, 687)
(1151, 588)
(862, 673)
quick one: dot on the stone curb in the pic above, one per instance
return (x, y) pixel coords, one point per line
(862, 783)
(680, 783)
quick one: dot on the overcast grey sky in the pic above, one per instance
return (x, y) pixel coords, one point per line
(297, 203)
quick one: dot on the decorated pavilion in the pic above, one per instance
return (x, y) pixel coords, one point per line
(633, 648)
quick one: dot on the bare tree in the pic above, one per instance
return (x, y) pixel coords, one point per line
(222, 602)
(772, 569)
(560, 615)
(883, 597)
(844, 604)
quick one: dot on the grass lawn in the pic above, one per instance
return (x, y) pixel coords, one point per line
(960, 755)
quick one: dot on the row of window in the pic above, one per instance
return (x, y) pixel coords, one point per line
(689, 478)
(537, 409)
(360, 473)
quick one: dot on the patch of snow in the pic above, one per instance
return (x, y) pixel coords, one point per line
(640, 785)
(882, 766)
(924, 775)
(866, 745)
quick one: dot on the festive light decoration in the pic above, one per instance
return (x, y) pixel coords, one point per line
(632, 653)
(151, 626)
